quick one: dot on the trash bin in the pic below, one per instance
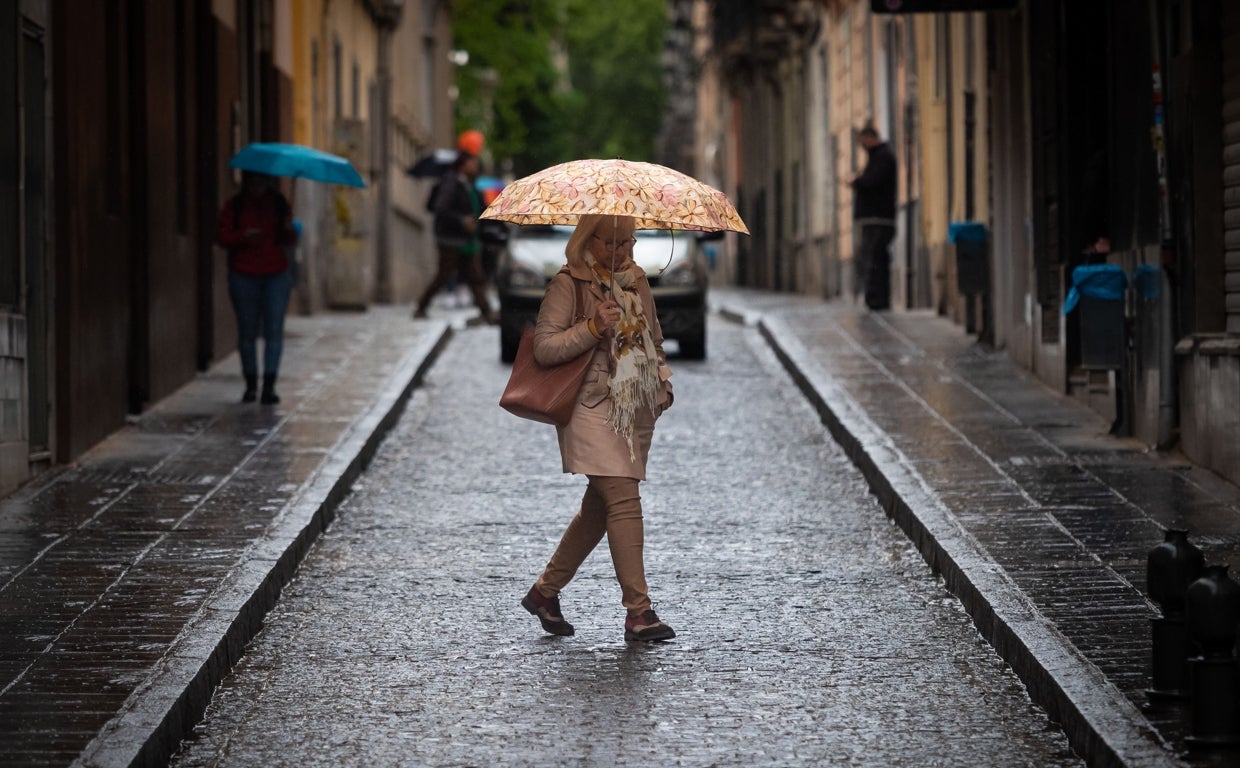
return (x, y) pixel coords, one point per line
(1098, 289)
(349, 280)
(972, 269)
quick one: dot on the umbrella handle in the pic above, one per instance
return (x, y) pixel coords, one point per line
(615, 221)
(671, 255)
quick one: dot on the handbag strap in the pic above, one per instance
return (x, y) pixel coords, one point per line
(579, 298)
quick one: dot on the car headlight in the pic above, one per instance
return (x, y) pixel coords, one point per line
(522, 276)
(679, 276)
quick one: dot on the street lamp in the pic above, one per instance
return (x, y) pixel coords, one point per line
(488, 84)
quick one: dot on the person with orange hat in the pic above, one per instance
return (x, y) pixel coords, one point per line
(457, 205)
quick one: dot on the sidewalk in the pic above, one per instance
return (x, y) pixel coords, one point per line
(1037, 519)
(132, 580)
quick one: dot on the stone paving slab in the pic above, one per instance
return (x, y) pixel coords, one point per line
(1037, 518)
(131, 581)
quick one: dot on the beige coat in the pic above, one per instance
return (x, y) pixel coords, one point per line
(587, 445)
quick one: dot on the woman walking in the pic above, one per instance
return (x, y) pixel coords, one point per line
(256, 226)
(625, 390)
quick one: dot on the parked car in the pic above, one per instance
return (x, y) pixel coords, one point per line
(673, 265)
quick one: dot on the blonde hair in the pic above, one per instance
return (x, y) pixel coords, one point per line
(587, 225)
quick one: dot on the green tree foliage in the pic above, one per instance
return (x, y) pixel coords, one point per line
(510, 38)
(614, 53)
(572, 78)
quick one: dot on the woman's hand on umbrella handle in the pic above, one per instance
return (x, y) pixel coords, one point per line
(606, 316)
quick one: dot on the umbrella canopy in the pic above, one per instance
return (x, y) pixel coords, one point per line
(433, 165)
(655, 196)
(296, 161)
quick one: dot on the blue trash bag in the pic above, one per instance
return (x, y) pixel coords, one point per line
(1097, 281)
(966, 232)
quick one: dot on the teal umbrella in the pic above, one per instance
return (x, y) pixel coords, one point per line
(296, 161)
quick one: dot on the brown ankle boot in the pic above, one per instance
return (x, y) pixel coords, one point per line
(547, 609)
(646, 627)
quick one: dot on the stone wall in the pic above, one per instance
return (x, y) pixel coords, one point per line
(1209, 369)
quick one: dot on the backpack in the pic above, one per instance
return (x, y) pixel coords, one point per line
(432, 198)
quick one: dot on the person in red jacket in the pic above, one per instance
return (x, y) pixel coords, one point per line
(256, 227)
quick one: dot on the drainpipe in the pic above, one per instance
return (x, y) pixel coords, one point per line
(911, 277)
(1168, 400)
(387, 17)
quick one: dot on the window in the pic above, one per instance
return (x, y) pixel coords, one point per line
(315, 106)
(970, 79)
(942, 51)
(356, 90)
(337, 80)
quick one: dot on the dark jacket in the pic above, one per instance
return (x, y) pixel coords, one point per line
(874, 191)
(456, 203)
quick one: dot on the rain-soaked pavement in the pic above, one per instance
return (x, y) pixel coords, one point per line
(810, 631)
(130, 580)
(1040, 520)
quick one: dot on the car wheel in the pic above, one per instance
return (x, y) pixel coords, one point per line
(693, 347)
(508, 347)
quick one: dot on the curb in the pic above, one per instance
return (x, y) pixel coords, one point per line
(163, 710)
(1101, 724)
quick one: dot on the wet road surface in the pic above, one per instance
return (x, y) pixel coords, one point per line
(810, 631)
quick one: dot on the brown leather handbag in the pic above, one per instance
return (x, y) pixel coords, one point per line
(546, 394)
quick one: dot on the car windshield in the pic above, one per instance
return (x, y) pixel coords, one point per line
(542, 246)
(564, 231)
(544, 231)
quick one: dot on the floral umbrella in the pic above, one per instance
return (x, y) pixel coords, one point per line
(656, 196)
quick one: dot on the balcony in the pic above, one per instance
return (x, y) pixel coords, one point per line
(752, 35)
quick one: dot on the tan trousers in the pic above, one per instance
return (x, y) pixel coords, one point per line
(611, 506)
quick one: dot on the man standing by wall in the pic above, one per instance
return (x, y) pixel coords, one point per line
(874, 213)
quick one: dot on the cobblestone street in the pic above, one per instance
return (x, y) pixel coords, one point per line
(810, 630)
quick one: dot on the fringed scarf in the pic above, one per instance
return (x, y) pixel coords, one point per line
(634, 361)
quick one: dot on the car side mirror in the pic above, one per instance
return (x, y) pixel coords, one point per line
(705, 237)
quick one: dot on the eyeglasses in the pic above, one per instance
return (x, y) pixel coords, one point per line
(618, 243)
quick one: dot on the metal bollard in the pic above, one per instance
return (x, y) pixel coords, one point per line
(1170, 568)
(1214, 676)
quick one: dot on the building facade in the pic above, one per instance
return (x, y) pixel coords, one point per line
(784, 89)
(757, 68)
(1102, 134)
(120, 118)
(372, 83)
